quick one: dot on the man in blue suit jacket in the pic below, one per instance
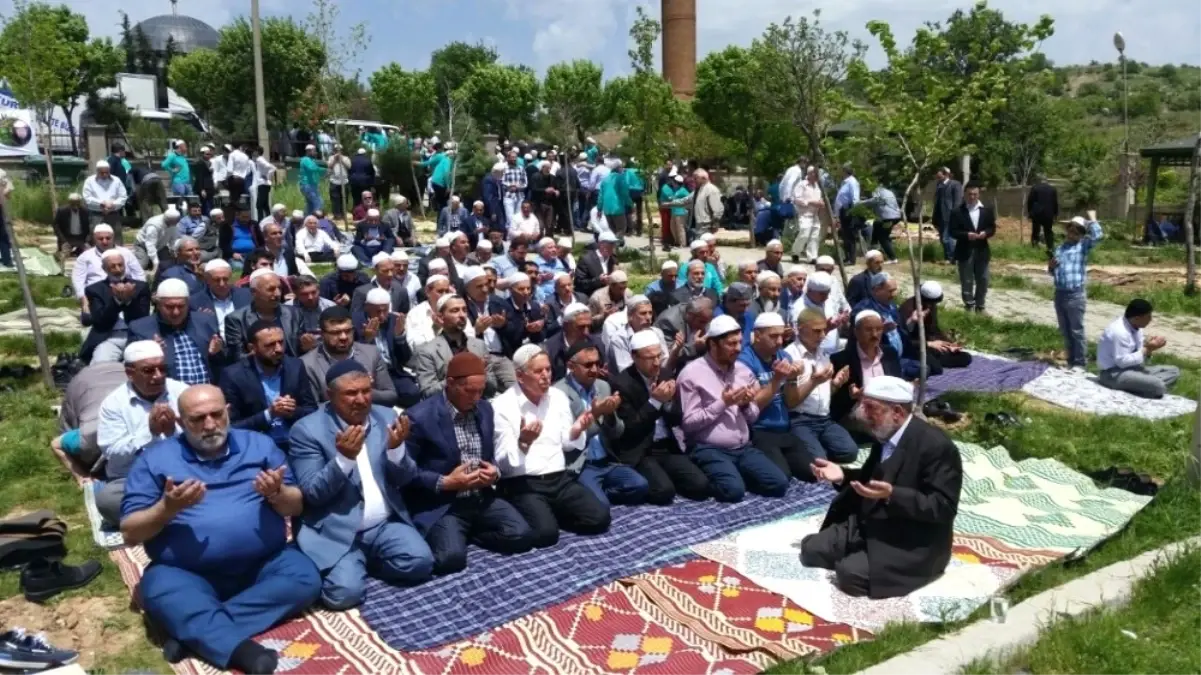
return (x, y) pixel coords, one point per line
(524, 318)
(269, 391)
(494, 199)
(453, 492)
(219, 296)
(114, 302)
(191, 341)
(350, 463)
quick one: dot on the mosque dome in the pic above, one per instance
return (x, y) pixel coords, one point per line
(189, 34)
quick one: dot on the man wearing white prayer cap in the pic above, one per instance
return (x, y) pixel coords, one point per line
(565, 245)
(889, 530)
(610, 299)
(808, 396)
(371, 237)
(385, 280)
(838, 299)
(941, 350)
(376, 324)
(115, 301)
(89, 268)
(278, 215)
(549, 266)
(432, 357)
(818, 296)
(867, 356)
(619, 328)
(767, 297)
(859, 286)
(482, 253)
(143, 410)
(155, 238)
(592, 272)
(220, 296)
(191, 340)
(420, 327)
(341, 284)
(71, 226)
(720, 398)
(105, 196)
(773, 257)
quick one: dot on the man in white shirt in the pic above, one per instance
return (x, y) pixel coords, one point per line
(818, 297)
(422, 324)
(405, 278)
(278, 215)
(155, 235)
(141, 411)
(88, 267)
(315, 244)
(1122, 355)
(534, 425)
(350, 462)
(239, 167)
(619, 329)
(525, 224)
(808, 395)
(807, 203)
(105, 197)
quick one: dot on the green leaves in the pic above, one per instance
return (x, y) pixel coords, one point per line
(574, 93)
(498, 96)
(404, 97)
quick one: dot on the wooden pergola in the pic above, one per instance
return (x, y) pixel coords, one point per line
(1173, 153)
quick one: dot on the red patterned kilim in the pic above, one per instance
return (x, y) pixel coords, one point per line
(724, 607)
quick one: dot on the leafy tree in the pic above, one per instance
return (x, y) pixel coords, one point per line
(1145, 102)
(127, 44)
(404, 97)
(451, 65)
(328, 95)
(575, 92)
(1088, 89)
(500, 95)
(196, 77)
(728, 86)
(145, 61)
(1031, 127)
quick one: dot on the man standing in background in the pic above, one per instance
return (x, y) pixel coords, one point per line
(948, 195)
(1042, 205)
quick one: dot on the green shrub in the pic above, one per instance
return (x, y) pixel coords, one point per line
(32, 202)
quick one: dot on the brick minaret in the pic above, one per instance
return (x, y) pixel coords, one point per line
(679, 46)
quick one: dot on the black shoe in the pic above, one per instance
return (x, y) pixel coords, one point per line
(174, 651)
(67, 292)
(22, 651)
(252, 657)
(796, 260)
(44, 579)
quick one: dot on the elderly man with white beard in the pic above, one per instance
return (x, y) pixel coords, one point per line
(888, 532)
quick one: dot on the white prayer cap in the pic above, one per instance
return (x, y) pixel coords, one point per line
(216, 264)
(637, 300)
(216, 212)
(101, 165)
(573, 310)
(373, 213)
(378, 296)
(766, 276)
(347, 262)
(400, 256)
(820, 281)
(445, 299)
(722, 325)
(542, 155)
(397, 200)
(1079, 220)
(769, 320)
(499, 167)
(873, 254)
(142, 350)
(528, 156)
(517, 278)
(525, 354)
(74, 197)
(103, 228)
(228, 147)
(171, 214)
(259, 274)
(669, 265)
(582, 156)
(644, 338)
(561, 275)
(114, 252)
(890, 389)
(931, 290)
(438, 264)
(362, 151)
(477, 203)
(607, 237)
(708, 237)
(879, 279)
(483, 245)
(867, 313)
(618, 277)
(774, 243)
(566, 242)
(435, 278)
(698, 244)
(379, 258)
(472, 273)
(590, 140)
(824, 260)
(546, 241)
(297, 213)
(172, 288)
(278, 208)
(443, 241)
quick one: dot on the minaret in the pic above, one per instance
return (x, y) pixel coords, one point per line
(679, 46)
(174, 7)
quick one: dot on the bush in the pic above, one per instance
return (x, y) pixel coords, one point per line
(1088, 89)
(1188, 100)
(1146, 102)
(32, 202)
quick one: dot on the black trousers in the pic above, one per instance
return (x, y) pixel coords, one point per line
(670, 472)
(1046, 225)
(486, 521)
(237, 187)
(636, 197)
(882, 237)
(785, 450)
(337, 201)
(842, 549)
(262, 202)
(944, 360)
(356, 193)
(441, 197)
(555, 501)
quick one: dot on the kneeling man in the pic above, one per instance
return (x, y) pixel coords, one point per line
(888, 532)
(350, 463)
(210, 510)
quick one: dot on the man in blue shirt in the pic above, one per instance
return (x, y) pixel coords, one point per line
(772, 367)
(848, 226)
(1068, 269)
(737, 302)
(209, 509)
(882, 301)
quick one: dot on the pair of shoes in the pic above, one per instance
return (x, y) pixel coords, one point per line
(67, 292)
(1125, 478)
(1002, 419)
(941, 410)
(43, 579)
(21, 651)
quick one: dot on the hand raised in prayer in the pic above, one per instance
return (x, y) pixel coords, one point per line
(398, 431)
(530, 431)
(699, 345)
(604, 279)
(349, 441)
(215, 345)
(534, 326)
(399, 324)
(176, 498)
(436, 319)
(664, 391)
(781, 370)
(841, 377)
(482, 324)
(939, 345)
(856, 392)
(875, 489)
(486, 475)
(1156, 342)
(307, 341)
(748, 394)
(824, 469)
(342, 299)
(823, 374)
(606, 406)
(284, 406)
(677, 343)
(581, 425)
(462, 477)
(731, 395)
(371, 328)
(269, 482)
(162, 420)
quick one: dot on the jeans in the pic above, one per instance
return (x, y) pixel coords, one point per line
(392, 551)
(825, 438)
(312, 199)
(973, 279)
(1069, 310)
(944, 234)
(180, 189)
(732, 472)
(614, 483)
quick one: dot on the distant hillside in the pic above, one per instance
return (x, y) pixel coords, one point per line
(1164, 101)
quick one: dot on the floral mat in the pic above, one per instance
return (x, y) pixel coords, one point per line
(1083, 393)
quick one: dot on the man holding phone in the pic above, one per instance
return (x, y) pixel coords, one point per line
(1067, 267)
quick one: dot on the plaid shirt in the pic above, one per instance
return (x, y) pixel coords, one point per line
(190, 365)
(1070, 273)
(514, 176)
(467, 435)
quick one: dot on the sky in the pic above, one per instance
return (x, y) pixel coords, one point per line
(539, 33)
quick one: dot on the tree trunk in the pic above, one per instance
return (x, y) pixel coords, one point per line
(915, 269)
(1022, 215)
(31, 308)
(1194, 185)
(49, 169)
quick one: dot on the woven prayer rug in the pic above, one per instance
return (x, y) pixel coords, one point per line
(1081, 392)
(985, 374)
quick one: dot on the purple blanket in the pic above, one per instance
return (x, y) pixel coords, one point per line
(985, 375)
(496, 589)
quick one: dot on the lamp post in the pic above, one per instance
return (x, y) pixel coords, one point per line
(1119, 43)
(260, 107)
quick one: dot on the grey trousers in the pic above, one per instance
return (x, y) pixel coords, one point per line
(111, 350)
(1069, 310)
(108, 501)
(1142, 381)
(973, 280)
(618, 224)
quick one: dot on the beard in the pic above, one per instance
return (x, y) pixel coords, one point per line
(880, 432)
(208, 442)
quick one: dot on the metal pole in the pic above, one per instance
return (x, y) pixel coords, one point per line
(1126, 179)
(260, 104)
